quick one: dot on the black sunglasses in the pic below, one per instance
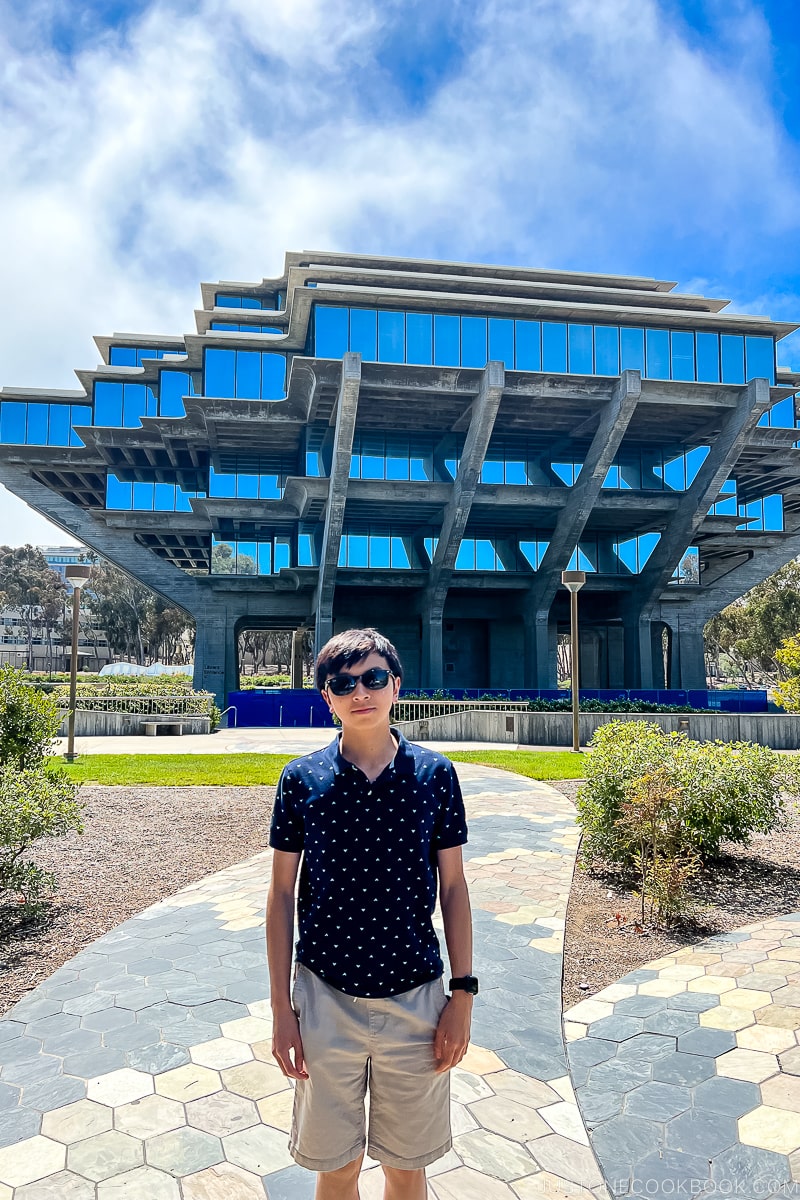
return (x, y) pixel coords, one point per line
(375, 679)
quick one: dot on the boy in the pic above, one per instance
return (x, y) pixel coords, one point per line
(379, 822)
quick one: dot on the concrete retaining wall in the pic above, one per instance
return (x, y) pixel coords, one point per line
(555, 729)
(92, 723)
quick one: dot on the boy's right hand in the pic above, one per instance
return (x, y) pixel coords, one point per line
(287, 1045)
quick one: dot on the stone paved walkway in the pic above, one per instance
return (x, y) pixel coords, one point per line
(141, 1070)
(687, 1072)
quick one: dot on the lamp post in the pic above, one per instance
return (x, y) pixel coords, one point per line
(76, 574)
(573, 581)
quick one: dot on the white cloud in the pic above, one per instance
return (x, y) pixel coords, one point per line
(204, 140)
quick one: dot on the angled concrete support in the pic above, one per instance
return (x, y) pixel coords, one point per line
(456, 515)
(540, 663)
(342, 449)
(687, 653)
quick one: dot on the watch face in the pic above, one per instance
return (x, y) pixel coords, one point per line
(468, 983)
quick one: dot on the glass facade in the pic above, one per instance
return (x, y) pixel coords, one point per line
(147, 497)
(561, 347)
(232, 327)
(230, 300)
(172, 387)
(27, 423)
(229, 485)
(262, 557)
(245, 374)
(123, 404)
(133, 356)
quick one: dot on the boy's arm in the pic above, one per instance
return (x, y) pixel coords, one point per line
(452, 1034)
(286, 1042)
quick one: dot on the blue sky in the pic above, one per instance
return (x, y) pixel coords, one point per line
(150, 144)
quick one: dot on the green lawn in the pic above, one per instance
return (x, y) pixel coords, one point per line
(248, 769)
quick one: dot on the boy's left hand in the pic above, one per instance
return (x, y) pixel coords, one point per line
(452, 1033)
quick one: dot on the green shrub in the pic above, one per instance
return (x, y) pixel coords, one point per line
(34, 803)
(29, 721)
(722, 790)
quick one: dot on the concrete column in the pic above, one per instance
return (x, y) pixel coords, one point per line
(216, 666)
(541, 649)
(688, 656)
(639, 671)
(297, 658)
(432, 662)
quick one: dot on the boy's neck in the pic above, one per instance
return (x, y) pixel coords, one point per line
(370, 750)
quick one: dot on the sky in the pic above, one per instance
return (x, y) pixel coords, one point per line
(151, 144)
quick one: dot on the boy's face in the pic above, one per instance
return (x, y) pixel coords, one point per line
(364, 708)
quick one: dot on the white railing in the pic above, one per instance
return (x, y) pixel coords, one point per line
(421, 710)
(145, 706)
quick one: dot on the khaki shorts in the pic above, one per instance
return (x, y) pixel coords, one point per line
(385, 1044)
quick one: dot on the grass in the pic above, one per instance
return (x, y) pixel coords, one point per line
(184, 770)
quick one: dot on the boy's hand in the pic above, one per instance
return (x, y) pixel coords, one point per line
(287, 1045)
(452, 1032)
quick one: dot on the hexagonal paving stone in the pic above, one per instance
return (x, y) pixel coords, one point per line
(48, 1094)
(624, 1139)
(189, 1082)
(222, 1113)
(277, 1111)
(224, 1182)
(149, 1117)
(31, 1159)
(62, 1186)
(709, 1042)
(747, 998)
(701, 1133)
(155, 1059)
(766, 1037)
(670, 1021)
(247, 1029)
(769, 1128)
(19, 1123)
(504, 1115)
(753, 1065)
(658, 1101)
(136, 1184)
(254, 1080)
(562, 1157)
(77, 1121)
(683, 1069)
(221, 1053)
(723, 1017)
(782, 1091)
(119, 1087)
(105, 1154)
(565, 1118)
(615, 1029)
(184, 1151)
(259, 1149)
(733, 1097)
(742, 1166)
(646, 1047)
(466, 1087)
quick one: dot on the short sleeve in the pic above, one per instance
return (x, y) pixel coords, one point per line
(451, 824)
(287, 829)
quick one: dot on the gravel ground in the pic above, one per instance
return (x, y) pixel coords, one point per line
(119, 866)
(747, 884)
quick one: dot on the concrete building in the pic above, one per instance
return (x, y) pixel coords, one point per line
(425, 446)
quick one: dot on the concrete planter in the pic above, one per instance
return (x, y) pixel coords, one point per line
(95, 723)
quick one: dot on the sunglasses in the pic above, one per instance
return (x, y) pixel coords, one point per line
(343, 684)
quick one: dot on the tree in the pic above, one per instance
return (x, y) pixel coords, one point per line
(750, 631)
(35, 591)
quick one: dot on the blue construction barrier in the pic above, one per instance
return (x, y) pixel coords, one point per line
(304, 708)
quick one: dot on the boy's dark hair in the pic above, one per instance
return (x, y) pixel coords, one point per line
(346, 649)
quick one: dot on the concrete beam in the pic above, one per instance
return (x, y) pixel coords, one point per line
(570, 524)
(456, 515)
(346, 410)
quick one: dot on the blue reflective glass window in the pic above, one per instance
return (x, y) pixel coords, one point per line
(485, 558)
(694, 461)
(134, 404)
(391, 337)
(708, 357)
(532, 552)
(164, 497)
(465, 559)
(675, 473)
(682, 346)
(58, 433)
(580, 350)
(143, 496)
(108, 403)
(528, 345)
(123, 356)
(372, 458)
(118, 494)
(626, 553)
(229, 326)
(172, 387)
(220, 485)
(446, 350)
(773, 512)
(515, 472)
(564, 471)
(399, 555)
(330, 331)
(273, 376)
(220, 373)
(760, 358)
(250, 302)
(305, 550)
(630, 470)
(364, 333)
(247, 487)
(606, 350)
(612, 477)
(397, 462)
(631, 342)
(419, 338)
(358, 550)
(657, 348)
(647, 544)
(312, 463)
(492, 472)
(37, 425)
(732, 345)
(264, 558)
(379, 551)
(248, 374)
(223, 300)
(781, 415)
(501, 341)
(473, 341)
(283, 553)
(554, 346)
(80, 414)
(587, 555)
(246, 558)
(269, 487)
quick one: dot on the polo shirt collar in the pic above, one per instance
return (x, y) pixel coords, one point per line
(403, 759)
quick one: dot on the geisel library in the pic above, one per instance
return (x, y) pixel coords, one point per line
(425, 446)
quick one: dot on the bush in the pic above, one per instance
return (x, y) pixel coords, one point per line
(721, 790)
(29, 721)
(34, 803)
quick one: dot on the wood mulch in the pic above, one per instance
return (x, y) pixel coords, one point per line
(142, 844)
(747, 884)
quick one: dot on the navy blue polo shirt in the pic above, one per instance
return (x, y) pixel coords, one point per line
(368, 877)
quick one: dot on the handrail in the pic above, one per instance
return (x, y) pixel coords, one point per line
(231, 708)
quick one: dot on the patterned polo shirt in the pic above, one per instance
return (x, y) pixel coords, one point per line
(368, 877)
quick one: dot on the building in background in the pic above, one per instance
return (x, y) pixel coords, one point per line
(424, 446)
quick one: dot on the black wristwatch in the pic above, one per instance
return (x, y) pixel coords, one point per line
(466, 983)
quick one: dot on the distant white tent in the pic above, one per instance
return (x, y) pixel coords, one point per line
(124, 668)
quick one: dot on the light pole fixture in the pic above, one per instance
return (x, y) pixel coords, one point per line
(77, 574)
(573, 581)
